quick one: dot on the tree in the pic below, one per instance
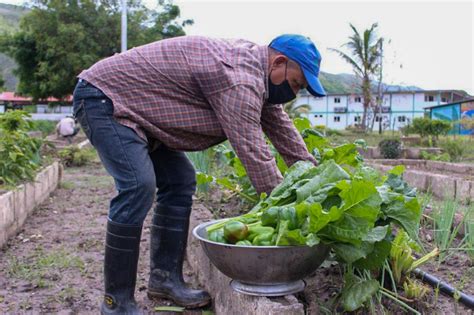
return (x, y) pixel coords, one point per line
(59, 38)
(296, 111)
(366, 51)
(2, 82)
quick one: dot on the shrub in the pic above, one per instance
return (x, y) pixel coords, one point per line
(390, 148)
(19, 153)
(426, 127)
(73, 156)
(455, 149)
(45, 126)
(435, 157)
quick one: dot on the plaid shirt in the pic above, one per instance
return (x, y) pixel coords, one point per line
(192, 92)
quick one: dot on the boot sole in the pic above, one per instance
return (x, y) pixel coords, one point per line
(155, 295)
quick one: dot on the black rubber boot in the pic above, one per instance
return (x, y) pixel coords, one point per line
(169, 235)
(122, 247)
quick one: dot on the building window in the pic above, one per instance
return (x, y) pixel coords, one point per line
(401, 118)
(429, 98)
(358, 99)
(337, 118)
(337, 100)
(316, 116)
(320, 116)
(379, 118)
(357, 119)
(444, 100)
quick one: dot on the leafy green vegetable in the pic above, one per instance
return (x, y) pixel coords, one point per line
(357, 291)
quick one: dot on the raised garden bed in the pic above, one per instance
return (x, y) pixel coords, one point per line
(17, 204)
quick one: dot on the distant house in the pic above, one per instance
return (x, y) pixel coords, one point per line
(398, 108)
(51, 106)
(461, 113)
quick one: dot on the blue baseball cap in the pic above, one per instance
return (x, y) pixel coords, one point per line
(303, 51)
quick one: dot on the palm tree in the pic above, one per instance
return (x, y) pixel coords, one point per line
(296, 111)
(365, 61)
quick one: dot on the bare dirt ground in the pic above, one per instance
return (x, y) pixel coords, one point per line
(55, 264)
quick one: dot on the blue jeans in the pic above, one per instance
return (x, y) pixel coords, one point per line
(137, 172)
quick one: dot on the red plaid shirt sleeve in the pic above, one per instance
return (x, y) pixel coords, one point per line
(238, 110)
(284, 136)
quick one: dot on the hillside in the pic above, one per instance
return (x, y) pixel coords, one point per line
(10, 19)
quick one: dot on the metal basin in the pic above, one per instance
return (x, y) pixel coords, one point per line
(262, 266)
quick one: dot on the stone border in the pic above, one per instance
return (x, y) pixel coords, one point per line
(226, 301)
(457, 168)
(407, 153)
(442, 186)
(16, 205)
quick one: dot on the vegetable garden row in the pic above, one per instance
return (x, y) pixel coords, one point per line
(370, 220)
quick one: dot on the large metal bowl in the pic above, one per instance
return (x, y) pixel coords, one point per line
(262, 265)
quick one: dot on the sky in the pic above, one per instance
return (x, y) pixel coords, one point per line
(429, 44)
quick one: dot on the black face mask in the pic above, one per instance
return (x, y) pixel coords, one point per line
(281, 93)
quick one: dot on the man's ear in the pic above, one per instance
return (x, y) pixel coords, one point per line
(279, 60)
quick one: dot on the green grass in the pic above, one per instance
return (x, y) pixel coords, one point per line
(38, 267)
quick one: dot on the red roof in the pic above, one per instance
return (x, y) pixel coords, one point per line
(12, 97)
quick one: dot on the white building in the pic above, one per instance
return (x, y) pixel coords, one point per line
(338, 111)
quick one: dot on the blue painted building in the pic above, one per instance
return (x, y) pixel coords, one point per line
(461, 113)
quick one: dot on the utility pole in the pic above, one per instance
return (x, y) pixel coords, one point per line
(124, 26)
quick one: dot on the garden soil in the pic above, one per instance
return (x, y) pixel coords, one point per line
(54, 265)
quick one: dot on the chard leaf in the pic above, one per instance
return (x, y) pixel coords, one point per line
(331, 172)
(312, 239)
(318, 218)
(377, 234)
(294, 173)
(289, 237)
(347, 230)
(349, 253)
(302, 124)
(345, 154)
(405, 213)
(375, 259)
(355, 294)
(360, 199)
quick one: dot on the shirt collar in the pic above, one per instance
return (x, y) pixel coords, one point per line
(263, 57)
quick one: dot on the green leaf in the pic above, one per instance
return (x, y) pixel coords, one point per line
(302, 124)
(294, 173)
(360, 199)
(12, 156)
(347, 230)
(318, 219)
(405, 213)
(202, 178)
(377, 234)
(376, 258)
(350, 253)
(357, 293)
(397, 170)
(331, 172)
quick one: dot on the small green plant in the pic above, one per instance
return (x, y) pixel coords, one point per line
(455, 149)
(19, 153)
(445, 232)
(390, 148)
(444, 157)
(414, 289)
(73, 156)
(45, 126)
